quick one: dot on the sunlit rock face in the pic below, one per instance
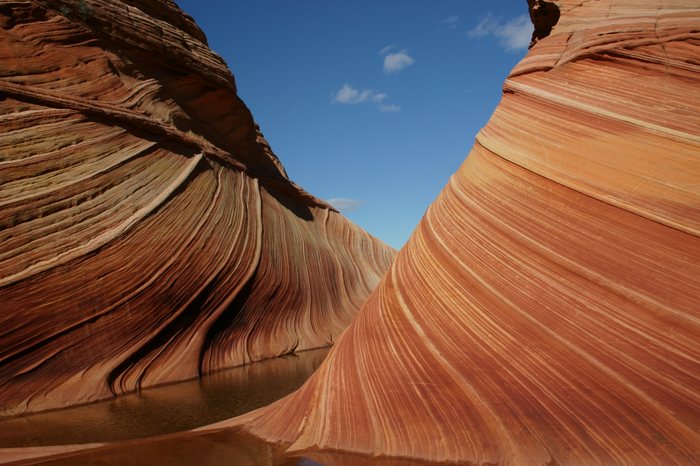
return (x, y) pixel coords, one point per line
(546, 310)
(147, 232)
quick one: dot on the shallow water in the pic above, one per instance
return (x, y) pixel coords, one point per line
(149, 428)
(228, 447)
(167, 409)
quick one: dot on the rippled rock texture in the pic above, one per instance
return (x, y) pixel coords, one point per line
(546, 310)
(147, 232)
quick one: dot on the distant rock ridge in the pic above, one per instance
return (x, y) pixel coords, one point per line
(148, 233)
(546, 309)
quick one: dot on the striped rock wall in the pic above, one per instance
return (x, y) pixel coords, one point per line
(148, 233)
(547, 308)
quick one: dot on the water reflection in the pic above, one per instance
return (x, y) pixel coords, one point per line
(172, 408)
(227, 447)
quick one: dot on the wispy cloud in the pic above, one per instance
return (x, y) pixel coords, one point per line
(345, 204)
(450, 22)
(349, 95)
(389, 108)
(395, 62)
(512, 35)
(387, 49)
(486, 27)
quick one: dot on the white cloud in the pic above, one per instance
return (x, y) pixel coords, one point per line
(512, 35)
(389, 108)
(450, 22)
(516, 33)
(344, 204)
(394, 62)
(349, 95)
(387, 49)
(486, 27)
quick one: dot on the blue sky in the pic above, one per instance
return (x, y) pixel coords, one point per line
(371, 105)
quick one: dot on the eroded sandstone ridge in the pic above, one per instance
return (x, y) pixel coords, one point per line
(546, 310)
(147, 231)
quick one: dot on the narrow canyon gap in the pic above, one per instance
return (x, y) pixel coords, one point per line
(546, 309)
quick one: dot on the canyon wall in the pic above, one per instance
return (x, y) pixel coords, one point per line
(547, 308)
(148, 233)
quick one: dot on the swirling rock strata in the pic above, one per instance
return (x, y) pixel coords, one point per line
(546, 309)
(148, 233)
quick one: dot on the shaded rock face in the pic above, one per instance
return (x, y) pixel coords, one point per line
(545, 311)
(147, 232)
(544, 16)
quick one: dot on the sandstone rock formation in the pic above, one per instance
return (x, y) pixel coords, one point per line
(147, 231)
(547, 308)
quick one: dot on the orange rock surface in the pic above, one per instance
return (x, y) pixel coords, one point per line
(547, 308)
(147, 232)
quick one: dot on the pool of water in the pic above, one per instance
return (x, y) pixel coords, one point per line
(167, 409)
(227, 447)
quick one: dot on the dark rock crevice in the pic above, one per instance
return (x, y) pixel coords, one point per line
(544, 16)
